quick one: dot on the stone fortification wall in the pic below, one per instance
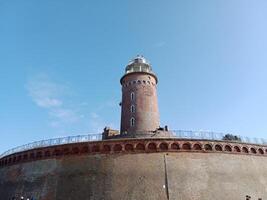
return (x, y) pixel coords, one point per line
(138, 169)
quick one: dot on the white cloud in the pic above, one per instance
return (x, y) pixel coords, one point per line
(65, 115)
(93, 115)
(159, 44)
(44, 92)
(97, 124)
(50, 96)
(48, 102)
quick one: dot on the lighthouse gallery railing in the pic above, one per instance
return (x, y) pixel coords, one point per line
(202, 135)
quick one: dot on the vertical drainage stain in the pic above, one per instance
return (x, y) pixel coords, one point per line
(166, 178)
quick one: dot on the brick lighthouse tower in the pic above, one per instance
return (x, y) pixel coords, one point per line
(139, 106)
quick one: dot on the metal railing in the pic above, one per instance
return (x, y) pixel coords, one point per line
(54, 142)
(202, 135)
(208, 135)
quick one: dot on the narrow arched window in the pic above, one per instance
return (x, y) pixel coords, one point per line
(132, 108)
(132, 96)
(132, 121)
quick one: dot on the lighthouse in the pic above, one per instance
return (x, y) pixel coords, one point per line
(139, 105)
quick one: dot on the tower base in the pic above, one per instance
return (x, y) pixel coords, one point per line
(114, 134)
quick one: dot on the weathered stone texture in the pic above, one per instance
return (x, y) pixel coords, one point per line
(146, 176)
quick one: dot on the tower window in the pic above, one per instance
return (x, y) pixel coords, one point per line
(132, 121)
(132, 96)
(132, 108)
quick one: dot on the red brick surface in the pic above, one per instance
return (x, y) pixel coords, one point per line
(146, 113)
(148, 145)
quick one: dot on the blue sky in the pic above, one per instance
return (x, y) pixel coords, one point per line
(61, 61)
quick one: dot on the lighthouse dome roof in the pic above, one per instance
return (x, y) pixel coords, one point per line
(138, 64)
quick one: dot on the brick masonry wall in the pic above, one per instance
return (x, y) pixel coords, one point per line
(146, 113)
(149, 169)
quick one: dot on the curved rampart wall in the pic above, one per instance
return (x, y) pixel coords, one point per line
(138, 169)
